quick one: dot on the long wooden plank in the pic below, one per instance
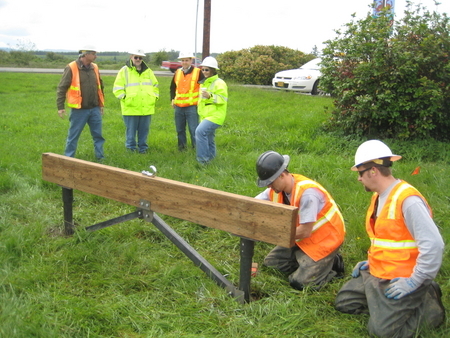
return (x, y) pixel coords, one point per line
(240, 215)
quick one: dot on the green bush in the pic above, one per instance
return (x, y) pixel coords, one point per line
(258, 65)
(391, 79)
(52, 56)
(4, 58)
(22, 58)
(157, 58)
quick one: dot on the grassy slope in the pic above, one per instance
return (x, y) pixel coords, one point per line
(129, 280)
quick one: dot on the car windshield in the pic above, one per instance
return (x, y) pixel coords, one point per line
(313, 64)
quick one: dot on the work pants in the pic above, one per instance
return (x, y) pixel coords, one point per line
(205, 141)
(186, 115)
(78, 119)
(137, 126)
(390, 318)
(303, 270)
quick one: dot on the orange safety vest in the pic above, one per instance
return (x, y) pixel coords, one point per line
(74, 98)
(328, 231)
(187, 88)
(393, 251)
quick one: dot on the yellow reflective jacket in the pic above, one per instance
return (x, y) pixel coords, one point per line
(214, 109)
(138, 92)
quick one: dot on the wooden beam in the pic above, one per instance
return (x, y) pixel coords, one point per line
(240, 215)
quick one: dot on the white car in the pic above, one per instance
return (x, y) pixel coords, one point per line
(304, 79)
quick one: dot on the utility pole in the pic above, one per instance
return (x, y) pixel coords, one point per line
(195, 43)
(206, 28)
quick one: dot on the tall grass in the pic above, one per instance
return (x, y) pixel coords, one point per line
(129, 280)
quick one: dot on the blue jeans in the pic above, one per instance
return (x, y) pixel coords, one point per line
(139, 125)
(78, 119)
(205, 141)
(185, 115)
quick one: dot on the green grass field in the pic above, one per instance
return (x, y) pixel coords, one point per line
(129, 280)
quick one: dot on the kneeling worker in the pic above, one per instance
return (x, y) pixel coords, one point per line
(314, 260)
(395, 284)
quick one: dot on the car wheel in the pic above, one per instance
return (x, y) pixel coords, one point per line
(315, 88)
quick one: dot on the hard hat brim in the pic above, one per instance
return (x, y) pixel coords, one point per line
(266, 182)
(137, 53)
(393, 158)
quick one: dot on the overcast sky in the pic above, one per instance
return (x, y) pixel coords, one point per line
(155, 25)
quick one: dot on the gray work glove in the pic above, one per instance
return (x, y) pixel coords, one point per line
(364, 265)
(400, 287)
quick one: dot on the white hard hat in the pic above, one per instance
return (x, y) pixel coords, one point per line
(138, 52)
(87, 48)
(373, 150)
(209, 61)
(185, 55)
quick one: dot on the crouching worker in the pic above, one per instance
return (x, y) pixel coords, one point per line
(395, 285)
(314, 260)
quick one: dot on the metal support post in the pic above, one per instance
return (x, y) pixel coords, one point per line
(247, 251)
(67, 196)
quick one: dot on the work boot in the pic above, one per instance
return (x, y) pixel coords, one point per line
(437, 290)
(338, 266)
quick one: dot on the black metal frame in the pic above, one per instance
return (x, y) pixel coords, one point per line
(241, 294)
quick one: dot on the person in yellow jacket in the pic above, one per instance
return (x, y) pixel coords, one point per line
(82, 87)
(395, 285)
(184, 95)
(320, 232)
(212, 110)
(137, 89)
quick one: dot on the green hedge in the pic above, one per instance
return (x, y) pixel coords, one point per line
(258, 65)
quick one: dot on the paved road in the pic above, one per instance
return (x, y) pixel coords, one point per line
(102, 72)
(60, 71)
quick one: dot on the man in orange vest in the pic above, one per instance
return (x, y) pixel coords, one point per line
(184, 93)
(314, 260)
(395, 284)
(82, 85)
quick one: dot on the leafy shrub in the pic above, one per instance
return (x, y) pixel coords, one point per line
(391, 79)
(258, 65)
(158, 57)
(22, 58)
(163, 55)
(55, 57)
(4, 58)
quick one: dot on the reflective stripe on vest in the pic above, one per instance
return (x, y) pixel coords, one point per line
(390, 244)
(329, 215)
(333, 211)
(187, 88)
(133, 84)
(393, 206)
(74, 97)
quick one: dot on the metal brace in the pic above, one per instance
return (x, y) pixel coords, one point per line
(147, 213)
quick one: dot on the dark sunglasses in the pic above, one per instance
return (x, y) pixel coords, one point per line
(363, 171)
(138, 58)
(206, 70)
